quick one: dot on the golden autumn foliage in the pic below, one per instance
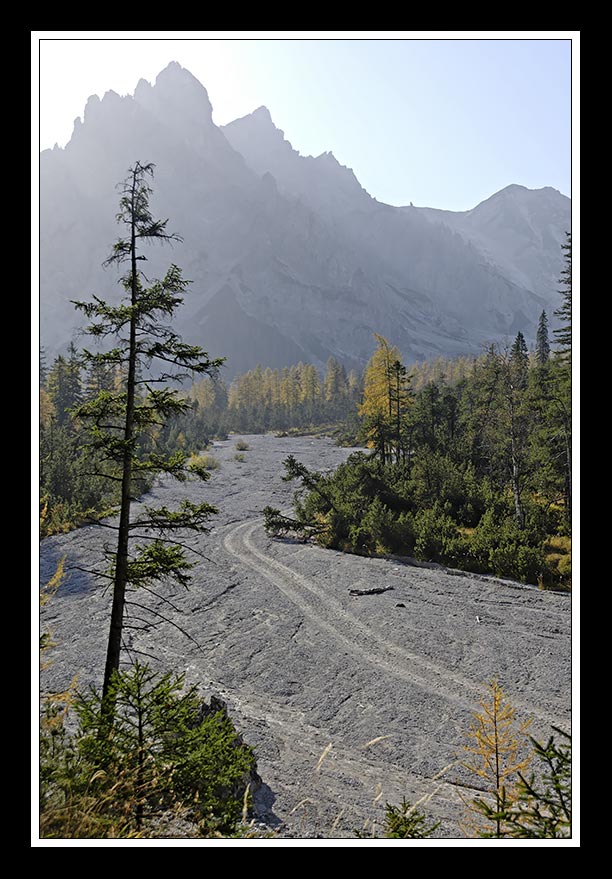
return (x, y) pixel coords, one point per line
(442, 370)
(46, 408)
(496, 754)
(387, 398)
(50, 588)
(45, 594)
(376, 394)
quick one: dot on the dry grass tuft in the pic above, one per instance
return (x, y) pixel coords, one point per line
(375, 741)
(324, 754)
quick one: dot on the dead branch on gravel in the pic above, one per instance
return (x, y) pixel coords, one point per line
(375, 590)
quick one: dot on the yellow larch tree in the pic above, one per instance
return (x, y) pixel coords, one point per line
(386, 398)
(497, 752)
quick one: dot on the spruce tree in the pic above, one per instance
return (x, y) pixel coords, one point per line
(515, 372)
(542, 341)
(564, 312)
(147, 352)
(64, 386)
(542, 806)
(100, 377)
(519, 361)
(562, 397)
(401, 399)
(43, 369)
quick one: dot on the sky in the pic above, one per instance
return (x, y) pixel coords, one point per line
(441, 122)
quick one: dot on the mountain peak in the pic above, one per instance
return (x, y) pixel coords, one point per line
(176, 95)
(262, 113)
(512, 188)
(98, 110)
(256, 136)
(260, 120)
(173, 67)
(174, 73)
(516, 190)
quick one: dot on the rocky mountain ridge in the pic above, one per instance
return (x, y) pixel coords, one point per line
(290, 258)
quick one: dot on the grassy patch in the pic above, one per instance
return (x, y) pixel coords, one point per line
(561, 544)
(558, 555)
(207, 462)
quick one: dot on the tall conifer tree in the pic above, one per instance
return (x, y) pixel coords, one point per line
(147, 352)
(542, 341)
(564, 312)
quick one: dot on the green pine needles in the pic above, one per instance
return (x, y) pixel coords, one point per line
(541, 807)
(171, 757)
(149, 359)
(401, 822)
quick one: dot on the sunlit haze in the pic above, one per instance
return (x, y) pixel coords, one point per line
(442, 122)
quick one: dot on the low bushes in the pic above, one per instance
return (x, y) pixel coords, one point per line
(366, 507)
(168, 752)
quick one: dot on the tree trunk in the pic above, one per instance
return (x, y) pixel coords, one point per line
(497, 774)
(515, 468)
(141, 760)
(121, 563)
(398, 419)
(568, 478)
(516, 491)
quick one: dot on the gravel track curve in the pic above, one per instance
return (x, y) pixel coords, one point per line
(328, 614)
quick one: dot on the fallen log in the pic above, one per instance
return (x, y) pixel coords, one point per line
(375, 590)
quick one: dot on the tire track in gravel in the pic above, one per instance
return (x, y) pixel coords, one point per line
(359, 639)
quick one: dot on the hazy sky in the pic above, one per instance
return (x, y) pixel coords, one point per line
(439, 122)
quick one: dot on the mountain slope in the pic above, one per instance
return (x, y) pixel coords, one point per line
(289, 256)
(518, 230)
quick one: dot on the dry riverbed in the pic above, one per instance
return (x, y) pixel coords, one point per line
(380, 686)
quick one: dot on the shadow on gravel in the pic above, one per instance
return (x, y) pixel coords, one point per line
(263, 800)
(75, 582)
(80, 582)
(292, 541)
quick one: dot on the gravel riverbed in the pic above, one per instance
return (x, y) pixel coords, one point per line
(350, 700)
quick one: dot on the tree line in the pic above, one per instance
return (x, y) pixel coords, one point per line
(473, 469)
(73, 492)
(297, 397)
